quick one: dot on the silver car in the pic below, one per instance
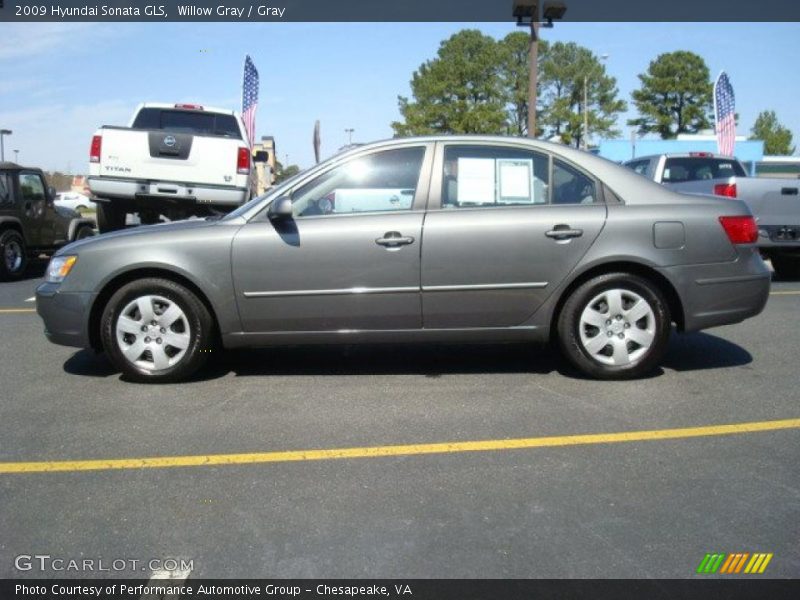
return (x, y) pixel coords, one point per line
(456, 239)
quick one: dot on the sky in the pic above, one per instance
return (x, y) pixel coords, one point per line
(60, 81)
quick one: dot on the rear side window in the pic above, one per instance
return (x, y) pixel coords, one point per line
(188, 121)
(698, 168)
(5, 190)
(570, 186)
(493, 176)
(638, 166)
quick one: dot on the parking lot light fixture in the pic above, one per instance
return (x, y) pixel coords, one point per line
(3, 132)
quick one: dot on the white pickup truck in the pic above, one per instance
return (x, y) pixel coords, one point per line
(775, 203)
(175, 160)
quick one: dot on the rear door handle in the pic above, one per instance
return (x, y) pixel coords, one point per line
(393, 239)
(563, 232)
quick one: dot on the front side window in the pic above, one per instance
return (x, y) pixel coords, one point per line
(31, 188)
(570, 186)
(493, 176)
(380, 182)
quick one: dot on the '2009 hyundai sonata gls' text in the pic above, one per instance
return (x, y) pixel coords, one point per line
(458, 239)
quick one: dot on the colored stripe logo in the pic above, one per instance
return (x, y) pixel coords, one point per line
(734, 563)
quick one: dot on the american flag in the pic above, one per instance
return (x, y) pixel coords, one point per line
(250, 98)
(725, 114)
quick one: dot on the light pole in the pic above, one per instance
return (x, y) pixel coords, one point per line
(3, 132)
(527, 14)
(349, 131)
(16, 156)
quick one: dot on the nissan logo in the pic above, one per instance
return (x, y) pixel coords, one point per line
(170, 141)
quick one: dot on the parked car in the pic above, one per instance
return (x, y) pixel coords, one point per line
(175, 160)
(775, 203)
(75, 201)
(30, 223)
(503, 240)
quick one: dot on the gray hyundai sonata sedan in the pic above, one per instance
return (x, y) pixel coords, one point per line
(456, 239)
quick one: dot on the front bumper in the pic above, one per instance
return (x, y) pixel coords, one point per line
(177, 193)
(721, 294)
(65, 315)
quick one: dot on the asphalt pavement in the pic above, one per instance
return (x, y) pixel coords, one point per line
(644, 508)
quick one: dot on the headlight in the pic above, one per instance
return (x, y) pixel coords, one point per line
(59, 268)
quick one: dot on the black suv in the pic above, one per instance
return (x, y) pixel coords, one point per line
(30, 224)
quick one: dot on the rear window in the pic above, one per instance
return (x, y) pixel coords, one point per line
(188, 121)
(699, 168)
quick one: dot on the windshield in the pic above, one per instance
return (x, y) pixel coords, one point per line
(281, 188)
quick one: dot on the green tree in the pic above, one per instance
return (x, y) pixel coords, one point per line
(459, 91)
(777, 138)
(675, 95)
(564, 68)
(282, 173)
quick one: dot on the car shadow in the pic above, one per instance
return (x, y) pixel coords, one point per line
(701, 350)
(687, 352)
(89, 364)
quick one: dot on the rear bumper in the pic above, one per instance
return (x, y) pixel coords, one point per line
(65, 315)
(170, 192)
(721, 294)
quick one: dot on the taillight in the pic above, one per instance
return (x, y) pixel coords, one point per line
(189, 106)
(740, 229)
(94, 151)
(243, 161)
(725, 189)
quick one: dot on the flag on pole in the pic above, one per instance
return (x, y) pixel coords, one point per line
(725, 114)
(250, 98)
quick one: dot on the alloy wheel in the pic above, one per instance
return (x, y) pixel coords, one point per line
(13, 256)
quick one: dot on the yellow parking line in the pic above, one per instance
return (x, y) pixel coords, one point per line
(383, 451)
(17, 310)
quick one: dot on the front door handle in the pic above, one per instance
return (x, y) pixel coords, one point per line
(563, 232)
(393, 239)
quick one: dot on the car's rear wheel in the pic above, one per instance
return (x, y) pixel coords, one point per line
(84, 231)
(786, 266)
(14, 255)
(109, 217)
(615, 326)
(156, 330)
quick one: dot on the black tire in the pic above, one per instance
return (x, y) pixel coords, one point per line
(786, 267)
(109, 217)
(13, 255)
(656, 325)
(198, 320)
(83, 231)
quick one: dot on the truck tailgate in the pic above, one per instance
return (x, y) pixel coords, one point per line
(773, 201)
(166, 156)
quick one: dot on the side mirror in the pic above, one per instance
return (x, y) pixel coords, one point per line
(262, 156)
(51, 195)
(281, 208)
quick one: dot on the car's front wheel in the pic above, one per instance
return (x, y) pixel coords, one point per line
(156, 330)
(13, 253)
(110, 217)
(615, 326)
